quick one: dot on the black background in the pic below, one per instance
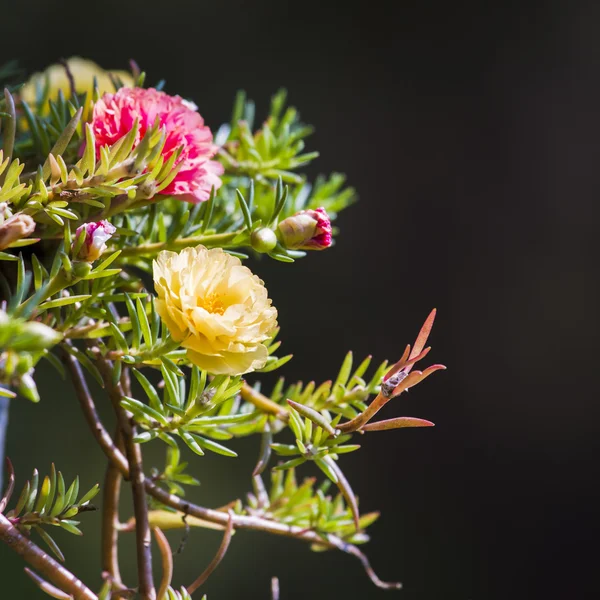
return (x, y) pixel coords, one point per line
(472, 133)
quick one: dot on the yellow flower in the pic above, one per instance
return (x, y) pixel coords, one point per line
(217, 308)
(83, 72)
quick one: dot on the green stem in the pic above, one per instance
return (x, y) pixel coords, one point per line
(216, 239)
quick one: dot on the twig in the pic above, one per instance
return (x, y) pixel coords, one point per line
(4, 404)
(110, 520)
(137, 479)
(10, 487)
(70, 77)
(86, 402)
(41, 562)
(208, 514)
(150, 249)
(46, 587)
(167, 561)
(265, 404)
(214, 563)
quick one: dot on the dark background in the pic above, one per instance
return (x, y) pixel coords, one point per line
(472, 133)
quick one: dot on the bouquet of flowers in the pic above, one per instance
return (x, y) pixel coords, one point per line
(125, 222)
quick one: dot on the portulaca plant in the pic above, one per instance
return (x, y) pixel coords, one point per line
(124, 226)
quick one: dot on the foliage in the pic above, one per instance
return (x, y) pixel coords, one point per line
(99, 319)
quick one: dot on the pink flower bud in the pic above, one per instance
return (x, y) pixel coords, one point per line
(306, 230)
(94, 244)
(17, 227)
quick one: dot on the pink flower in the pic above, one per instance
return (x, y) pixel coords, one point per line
(306, 230)
(115, 115)
(94, 243)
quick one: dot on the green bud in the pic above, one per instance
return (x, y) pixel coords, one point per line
(263, 239)
(33, 336)
(81, 269)
(28, 389)
(25, 363)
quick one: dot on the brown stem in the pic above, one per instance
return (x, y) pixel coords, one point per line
(110, 520)
(208, 514)
(265, 404)
(365, 416)
(40, 561)
(167, 561)
(137, 479)
(218, 557)
(86, 401)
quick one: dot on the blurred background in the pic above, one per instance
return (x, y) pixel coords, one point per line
(471, 132)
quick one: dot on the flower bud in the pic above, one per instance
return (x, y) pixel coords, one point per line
(94, 243)
(306, 230)
(263, 239)
(25, 336)
(36, 336)
(28, 389)
(17, 227)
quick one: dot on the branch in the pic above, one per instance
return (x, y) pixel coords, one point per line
(249, 394)
(86, 402)
(40, 561)
(167, 561)
(151, 249)
(208, 514)
(4, 404)
(110, 521)
(137, 479)
(214, 563)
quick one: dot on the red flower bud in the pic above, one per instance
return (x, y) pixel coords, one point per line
(306, 230)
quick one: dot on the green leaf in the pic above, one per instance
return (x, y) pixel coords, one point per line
(151, 413)
(5, 393)
(316, 417)
(145, 436)
(191, 442)
(71, 526)
(50, 543)
(119, 338)
(214, 447)
(22, 499)
(90, 495)
(59, 504)
(135, 323)
(85, 362)
(149, 389)
(32, 492)
(144, 325)
(72, 493)
(43, 495)
(290, 464)
(285, 449)
(63, 301)
(326, 468)
(245, 209)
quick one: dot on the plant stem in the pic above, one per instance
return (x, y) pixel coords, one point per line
(4, 404)
(39, 560)
(265, 404)
(110, 520)
(214, 563)
(86, 401)
(137, 480)
(215, 516)
(216, 239)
